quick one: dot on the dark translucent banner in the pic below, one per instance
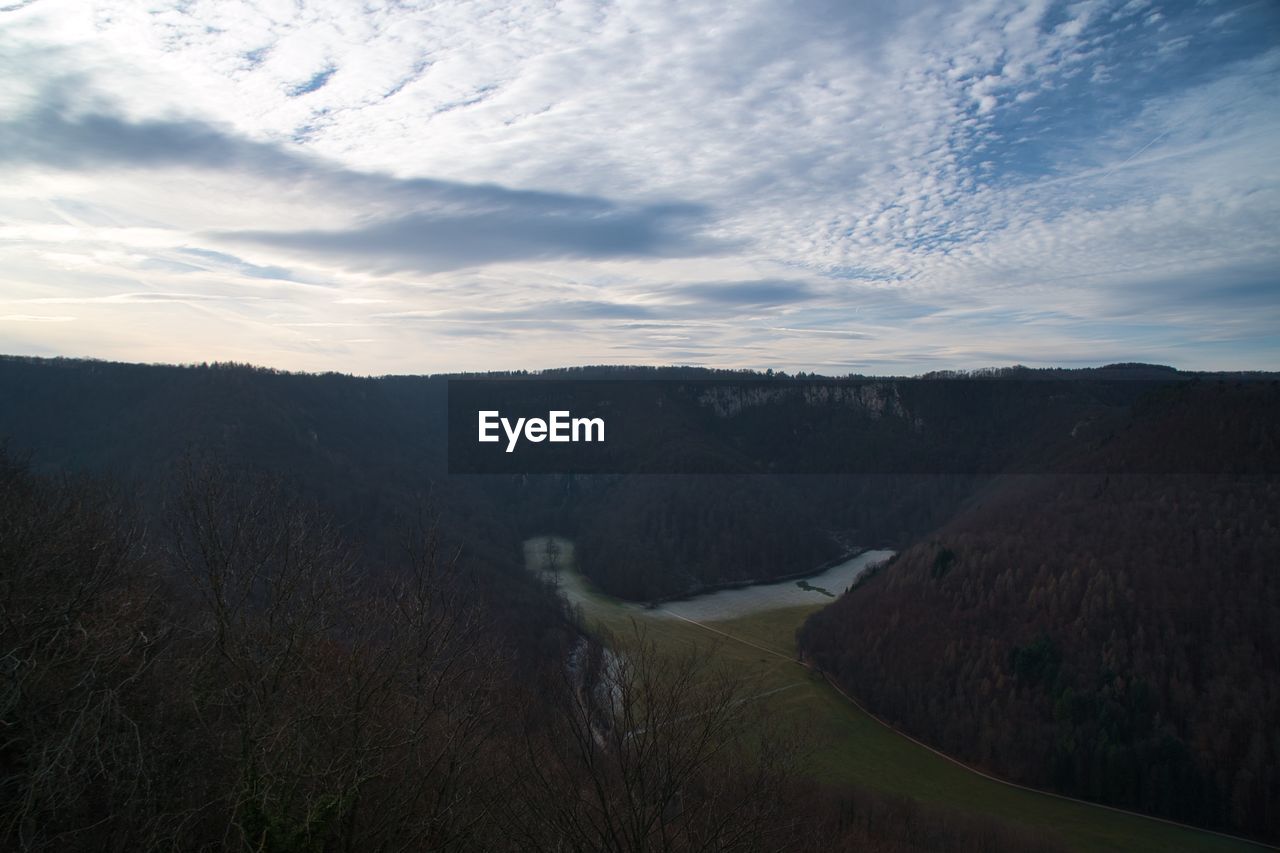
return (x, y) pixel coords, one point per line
(911, 426)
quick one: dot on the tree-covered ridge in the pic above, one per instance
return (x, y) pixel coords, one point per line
(226, 676)
(368, 448)
(1112, 637)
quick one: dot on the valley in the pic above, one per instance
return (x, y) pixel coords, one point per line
(752, 631)
(1096, 619)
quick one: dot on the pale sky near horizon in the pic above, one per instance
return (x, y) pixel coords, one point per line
(404, 187)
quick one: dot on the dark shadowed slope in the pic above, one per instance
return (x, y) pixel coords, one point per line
(1114, 637)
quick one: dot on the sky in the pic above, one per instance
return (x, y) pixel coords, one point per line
(841, 187)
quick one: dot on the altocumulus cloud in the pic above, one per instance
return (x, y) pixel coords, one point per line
(810, 184)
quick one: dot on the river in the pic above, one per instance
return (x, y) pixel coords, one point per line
(722, 604)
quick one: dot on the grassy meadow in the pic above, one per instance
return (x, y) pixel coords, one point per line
(850, 746)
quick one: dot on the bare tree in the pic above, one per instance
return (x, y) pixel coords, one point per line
(657, 752)
(77, 642)
(551, 556)
(427, 691)
(349, 712)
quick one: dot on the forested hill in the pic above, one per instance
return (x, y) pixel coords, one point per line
(1112, 636)
(368, 448)
(365, 450)
(1108, 627)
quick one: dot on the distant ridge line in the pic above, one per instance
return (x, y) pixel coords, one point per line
(1114, 371)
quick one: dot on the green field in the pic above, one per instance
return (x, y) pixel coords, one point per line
(851, 746)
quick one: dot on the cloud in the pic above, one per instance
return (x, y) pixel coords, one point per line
(747, 293)
(435, 242)
(243, 267)
(449, 225)
(51, 136)
(55, 135)
(135, 298)
(912, 185)
(671, 306)
(559, 312)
